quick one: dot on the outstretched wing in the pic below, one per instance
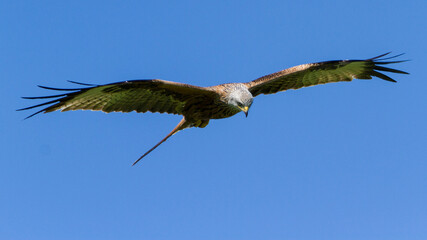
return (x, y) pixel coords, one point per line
(323, 72)
(137, 95)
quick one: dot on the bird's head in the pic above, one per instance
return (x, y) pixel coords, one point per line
(240, 98)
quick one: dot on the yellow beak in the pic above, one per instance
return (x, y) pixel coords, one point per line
(245, 110)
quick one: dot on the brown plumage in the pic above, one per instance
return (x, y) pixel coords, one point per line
(198, 105)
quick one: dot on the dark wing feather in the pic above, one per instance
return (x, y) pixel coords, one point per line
(323, 72)
(137, 95)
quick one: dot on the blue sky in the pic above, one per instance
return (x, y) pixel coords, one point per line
(337, 161)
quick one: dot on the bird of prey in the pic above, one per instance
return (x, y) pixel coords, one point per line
(198, 105)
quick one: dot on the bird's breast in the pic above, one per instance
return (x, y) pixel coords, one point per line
(209, 110)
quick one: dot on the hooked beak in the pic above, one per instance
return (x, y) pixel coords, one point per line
(245, 110)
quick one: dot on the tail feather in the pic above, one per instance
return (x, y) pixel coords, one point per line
(181, 125)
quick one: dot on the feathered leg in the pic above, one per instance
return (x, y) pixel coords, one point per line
(181, 125)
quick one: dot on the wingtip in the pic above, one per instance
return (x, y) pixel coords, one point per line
(80, 83)
(394, 56)
(33, 114)
(380, 57)
(60, 89)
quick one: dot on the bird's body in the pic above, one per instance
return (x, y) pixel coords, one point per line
(198, 105)
(226, 103)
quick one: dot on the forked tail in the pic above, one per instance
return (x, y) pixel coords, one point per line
(181, 125)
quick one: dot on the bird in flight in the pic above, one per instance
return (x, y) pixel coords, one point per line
(198, 105)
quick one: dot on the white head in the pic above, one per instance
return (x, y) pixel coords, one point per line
(240, 98)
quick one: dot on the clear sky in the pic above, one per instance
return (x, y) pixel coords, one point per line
(337, 161)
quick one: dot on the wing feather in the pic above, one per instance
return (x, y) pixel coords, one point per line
(323, 72)
(137, 95)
